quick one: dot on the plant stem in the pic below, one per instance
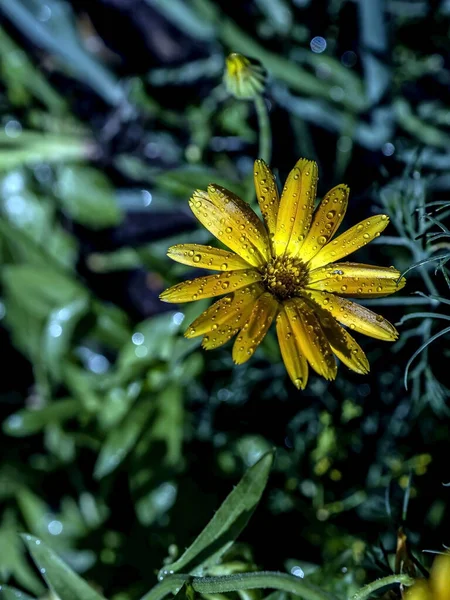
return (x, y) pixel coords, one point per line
(242, 581)
(265, 133)
(379, 583)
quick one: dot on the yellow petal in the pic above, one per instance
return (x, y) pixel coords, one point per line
(341, 342)
(230, 327)
(224, 310)
(440, 578)
(246, 225)
(295, 363)
(354, 238)
(212, 285)
(255, 328)
(310, 337)
(267, 194)
(356, 317)
(224, 227)
(206, 257)
(326, 221)
(296, 207)
(354, 279)
(420, 591)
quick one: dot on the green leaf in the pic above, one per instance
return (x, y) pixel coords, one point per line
(27, 422)
(227, 523)
(10, 593)
(39, 290)
(13, 558)
(66, 584)
(59, 330)
(88, 196)
(122, 439)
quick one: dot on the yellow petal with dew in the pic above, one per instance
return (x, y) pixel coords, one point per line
(351, 240)
(325, 221)
(224, 310)
(255, 328)
(223, 226)
(294, 361)
(356, 317)
(342, 343)
(243, 307)
(245, 223)
(440, 577)
(296, 207)
(354, 279)
(210, 286)
(267, 194)
(206, 257)
(311, 338)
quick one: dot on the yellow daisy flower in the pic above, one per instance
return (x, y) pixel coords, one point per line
(437, 587)
(285, 269)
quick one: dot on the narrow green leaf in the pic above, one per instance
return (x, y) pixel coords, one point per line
(59, 330)
(227, 523)
(122, 439)
(10, 593)
(88, 196)
(64, 582)
(26, 422)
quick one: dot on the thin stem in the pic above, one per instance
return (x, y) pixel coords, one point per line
(379, 583)
(265, 133)
(242, 581)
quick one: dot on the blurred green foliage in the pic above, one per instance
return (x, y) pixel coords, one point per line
(120, 437)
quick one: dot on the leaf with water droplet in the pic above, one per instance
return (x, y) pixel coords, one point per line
(64, 582)
(228, 522)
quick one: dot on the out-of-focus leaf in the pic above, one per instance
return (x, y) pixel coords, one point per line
(153, 505)
(39, 290)
(27, 422)
(66, 584)
(87, 196)
(183, 181)
(228, 521)
(168, 425)
(14, 562)
(23, 79)
(10, 593)
(122, 439)
(152, 340)
(58, 35)
(58, 332)
(80, 385)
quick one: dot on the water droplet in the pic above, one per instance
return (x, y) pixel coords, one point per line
(360, 228)
(330, 214)
(366, 236)
(197, 258)
(229, 229)
(321, 240)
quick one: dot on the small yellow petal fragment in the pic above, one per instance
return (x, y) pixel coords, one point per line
(267, 194)
(326, 221)
(356, 317)
(210, 286)
(255, 328)
(357, 280)
(310, 338)
(351, 240)
(294, 361)
(296, 207)
(207, 257)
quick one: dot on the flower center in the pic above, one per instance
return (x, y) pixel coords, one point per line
(283, 277)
